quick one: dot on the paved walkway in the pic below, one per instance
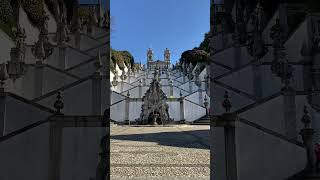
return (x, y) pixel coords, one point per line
(175, 152)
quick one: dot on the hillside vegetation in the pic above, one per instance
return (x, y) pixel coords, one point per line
(121, 58)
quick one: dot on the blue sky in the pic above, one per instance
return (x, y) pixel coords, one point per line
(175, 24)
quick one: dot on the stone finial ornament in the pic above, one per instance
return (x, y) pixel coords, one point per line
(226, 102)
(42, 49)
(123, 76)
(16, 66)
(58, 104)
(206, 103)
(256, 46)
(62, 30)
(114, 81)
(280, 65)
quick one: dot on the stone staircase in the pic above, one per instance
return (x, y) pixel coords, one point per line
(205, 120)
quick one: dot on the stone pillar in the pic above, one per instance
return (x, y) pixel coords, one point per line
(289, 103)
(3, 110)
(127, 109)
(140, 89)
(182, 120)
(77, 39)
(55, 150)
(63, 62)
(227, 122)
(171, 89)
(190, 86)
(38, 79)
(121, 86)
(307, 134)
(200, 96)
(144, 81)
(257, 80)
(237, 57)
(96, 94)
(129, 76)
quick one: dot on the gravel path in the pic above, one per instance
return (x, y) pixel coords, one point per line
(154, 153)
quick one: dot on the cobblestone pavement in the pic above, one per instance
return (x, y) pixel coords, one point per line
(174, 153)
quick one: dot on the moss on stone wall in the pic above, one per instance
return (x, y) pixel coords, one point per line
(6, 17)
(198, 54)
(121, 58)
(52, 7)
(35, 11)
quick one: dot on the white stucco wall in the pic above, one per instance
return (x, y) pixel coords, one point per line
(5, 47)
(262, 156)
(26, 156)
(32, 32)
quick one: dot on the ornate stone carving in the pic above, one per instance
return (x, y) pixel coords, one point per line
(58, 104)
(16, 66)
(239, 35)
(42, 48)
(62, 30)
(256, 45)
(280, 65)
(155, 109)
(123, 75)
(226, 102)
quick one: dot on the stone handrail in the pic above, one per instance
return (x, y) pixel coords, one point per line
(62, 88)
(24, 129)
(98, 46)
(257, 103)
(247, 95)
(62, 71)
(43, 108)
(82, 52)
(271, 132)
(92, 59)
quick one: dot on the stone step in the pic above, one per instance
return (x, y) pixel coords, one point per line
(202, 121)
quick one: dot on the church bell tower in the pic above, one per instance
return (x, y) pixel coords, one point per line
(149, 57)
(167, 57)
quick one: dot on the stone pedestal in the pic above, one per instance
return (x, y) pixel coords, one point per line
(63, 63)
(227, 123)
(237, 56)
(289, 103)
(140, 90)
(77, 39)
(307, 137)
(127, 110)
(190, 86)
(182, 120)
(257, 80)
